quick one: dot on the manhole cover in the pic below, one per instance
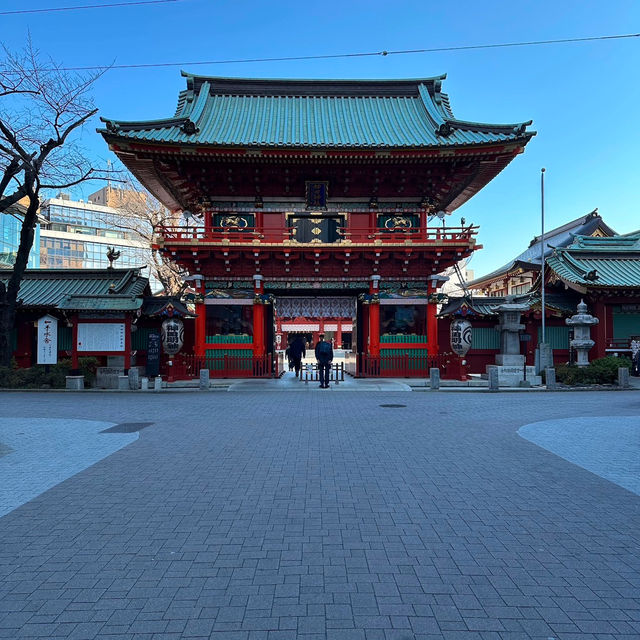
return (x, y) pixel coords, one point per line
(127, 427)
(393, 406)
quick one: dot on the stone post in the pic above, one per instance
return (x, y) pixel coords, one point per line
(550, 374)
(493, 378)
(123, 383)
(204, 379)
(157, 383)
(144, 383)
(582, 342)
(134, 379)
(434, 379)
(623, 377)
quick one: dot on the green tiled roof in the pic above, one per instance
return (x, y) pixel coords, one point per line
(599, 262)
(314, 113)
(108, 302)
(50, 287)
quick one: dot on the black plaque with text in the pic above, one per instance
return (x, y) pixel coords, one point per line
(154, 345)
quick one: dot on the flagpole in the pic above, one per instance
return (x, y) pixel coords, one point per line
(542, 252)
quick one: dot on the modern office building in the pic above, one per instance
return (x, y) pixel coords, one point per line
(10, 227)
(77, 235)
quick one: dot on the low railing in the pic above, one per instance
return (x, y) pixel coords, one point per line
(398, 366)
(188, 366)
(435, 235)
(311, 373)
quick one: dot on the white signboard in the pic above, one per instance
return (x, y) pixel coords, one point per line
(101, 336)
(47, 340)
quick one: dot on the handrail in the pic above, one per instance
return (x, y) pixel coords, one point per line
(358, 235)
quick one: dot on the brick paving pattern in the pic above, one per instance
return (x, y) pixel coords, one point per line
(257, 516)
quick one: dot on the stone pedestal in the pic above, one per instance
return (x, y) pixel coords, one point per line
(123, 383)
(204, 379)
(74, 383)
(492, 371)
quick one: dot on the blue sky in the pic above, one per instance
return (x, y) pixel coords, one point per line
(583, 98)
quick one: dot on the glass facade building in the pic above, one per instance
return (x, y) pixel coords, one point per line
(77, 235)
(10, 226)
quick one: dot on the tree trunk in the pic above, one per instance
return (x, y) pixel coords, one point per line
(9, 294)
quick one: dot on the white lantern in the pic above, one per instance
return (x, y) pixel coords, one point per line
(460, 332)
(172, 336)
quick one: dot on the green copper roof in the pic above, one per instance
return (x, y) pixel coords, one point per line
(599, 262)
(53, 287)
(107, 302)
(314, 113)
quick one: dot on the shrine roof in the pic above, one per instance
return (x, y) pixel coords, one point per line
(314, 113)
(563, 303)
(54, 287)
(590, 262)
(529, 259)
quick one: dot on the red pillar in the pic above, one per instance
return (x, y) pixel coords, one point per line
(74, 346)
(432, 322)
(258, 317)
(374, 317)
(200, 343)
(338, 335)
(599, 331)
(200, 338)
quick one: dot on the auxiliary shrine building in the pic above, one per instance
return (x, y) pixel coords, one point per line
(306, 195)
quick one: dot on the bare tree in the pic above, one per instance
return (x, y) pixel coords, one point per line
(42, 109)
(141, 216)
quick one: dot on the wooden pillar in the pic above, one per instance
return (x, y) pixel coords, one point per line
(374, 316)
(338, 336)
(432, 322)
(74, 346)
(258, 317)
(200, 341)
(599, 331)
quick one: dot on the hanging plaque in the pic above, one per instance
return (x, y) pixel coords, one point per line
(172, 336)
(460, 332)
(47, 340)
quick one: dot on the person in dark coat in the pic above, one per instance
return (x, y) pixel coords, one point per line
(324, 356)
(297, 351)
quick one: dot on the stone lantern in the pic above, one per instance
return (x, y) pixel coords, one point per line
(510, 363)
(582, 341)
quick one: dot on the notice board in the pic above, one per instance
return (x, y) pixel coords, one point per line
(101, 336)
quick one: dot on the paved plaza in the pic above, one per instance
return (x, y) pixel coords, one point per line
(253, 515)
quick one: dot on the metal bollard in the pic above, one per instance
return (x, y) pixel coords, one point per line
(434, 379)
(204, 379)
(157, 383)
(623, 377)
(550, 375)
(337, 380)
(493, 380)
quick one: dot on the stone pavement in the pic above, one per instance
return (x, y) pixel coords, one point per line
(261, 516)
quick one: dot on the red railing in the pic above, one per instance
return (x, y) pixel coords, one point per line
(188, 366)
(399, 366)
(435, 235)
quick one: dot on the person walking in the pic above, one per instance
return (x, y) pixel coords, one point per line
(324, 356)
(297, 351)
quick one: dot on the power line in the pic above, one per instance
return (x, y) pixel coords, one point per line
(86, 6)
(351, 55)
